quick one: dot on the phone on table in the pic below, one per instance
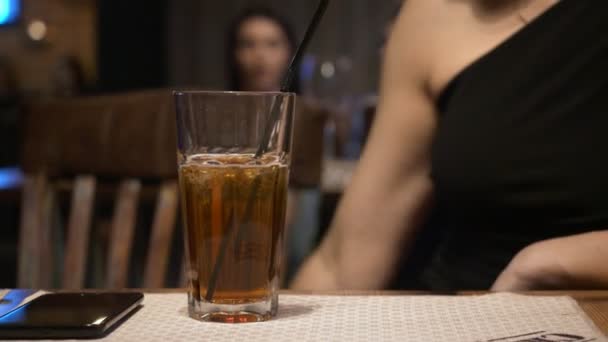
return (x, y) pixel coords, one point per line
(68, 315)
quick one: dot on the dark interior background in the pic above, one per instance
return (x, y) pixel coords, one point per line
(132, 45)
(122, 45)
(352, 31)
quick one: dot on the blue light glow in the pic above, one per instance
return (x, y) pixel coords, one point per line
(10, 178)
(9, 11)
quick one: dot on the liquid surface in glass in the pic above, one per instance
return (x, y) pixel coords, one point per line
(242, 199)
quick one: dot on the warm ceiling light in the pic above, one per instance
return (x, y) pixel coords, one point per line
(37, 30)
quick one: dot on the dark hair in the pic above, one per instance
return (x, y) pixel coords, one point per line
(234, 75)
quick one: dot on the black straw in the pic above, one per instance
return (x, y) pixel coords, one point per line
(289, 76)
(263, 148)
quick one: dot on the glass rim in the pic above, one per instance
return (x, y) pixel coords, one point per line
(232, 93)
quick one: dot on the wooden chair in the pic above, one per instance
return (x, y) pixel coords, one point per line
(97, 147)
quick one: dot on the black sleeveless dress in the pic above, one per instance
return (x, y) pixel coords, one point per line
(521, 152)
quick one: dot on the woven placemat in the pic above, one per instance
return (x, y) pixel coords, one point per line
(496, 317)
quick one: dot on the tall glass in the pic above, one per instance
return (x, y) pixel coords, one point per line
(233, 204)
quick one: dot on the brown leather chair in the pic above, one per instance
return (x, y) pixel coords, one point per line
(97, 148)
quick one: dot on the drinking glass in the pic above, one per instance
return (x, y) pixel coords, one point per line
(233, 202)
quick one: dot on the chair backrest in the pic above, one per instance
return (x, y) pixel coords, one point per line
(121, 146)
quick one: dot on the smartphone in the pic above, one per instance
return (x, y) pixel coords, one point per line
(69, 315)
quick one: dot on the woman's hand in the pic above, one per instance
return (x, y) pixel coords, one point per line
(579, 261)
(535, 267)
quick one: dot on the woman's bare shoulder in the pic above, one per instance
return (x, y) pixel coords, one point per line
(458, 32)
(426, 29)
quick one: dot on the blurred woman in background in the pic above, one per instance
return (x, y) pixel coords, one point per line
(492, 115)
(259, 48)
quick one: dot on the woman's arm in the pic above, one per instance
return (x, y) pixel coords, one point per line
(391, 187)
(573, 262)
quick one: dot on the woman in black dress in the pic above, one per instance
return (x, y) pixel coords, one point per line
(493, 115)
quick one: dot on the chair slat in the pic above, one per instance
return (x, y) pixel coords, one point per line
(29, 258)
(162, 234)
(123, 229)
(47, 256)
(79, 228)
(35, 253)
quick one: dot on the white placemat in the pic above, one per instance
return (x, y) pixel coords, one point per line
(376, 318)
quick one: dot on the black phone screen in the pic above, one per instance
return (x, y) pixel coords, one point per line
(68, 315)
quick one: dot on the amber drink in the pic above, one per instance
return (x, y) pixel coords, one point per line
(233, 204)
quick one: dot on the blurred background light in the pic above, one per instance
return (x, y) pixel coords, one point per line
(9, 11)
(37, 30)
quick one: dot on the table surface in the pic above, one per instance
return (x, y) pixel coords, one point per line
(383, 316)
(594, 303)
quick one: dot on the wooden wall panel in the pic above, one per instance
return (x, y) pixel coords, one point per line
(71, 31)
